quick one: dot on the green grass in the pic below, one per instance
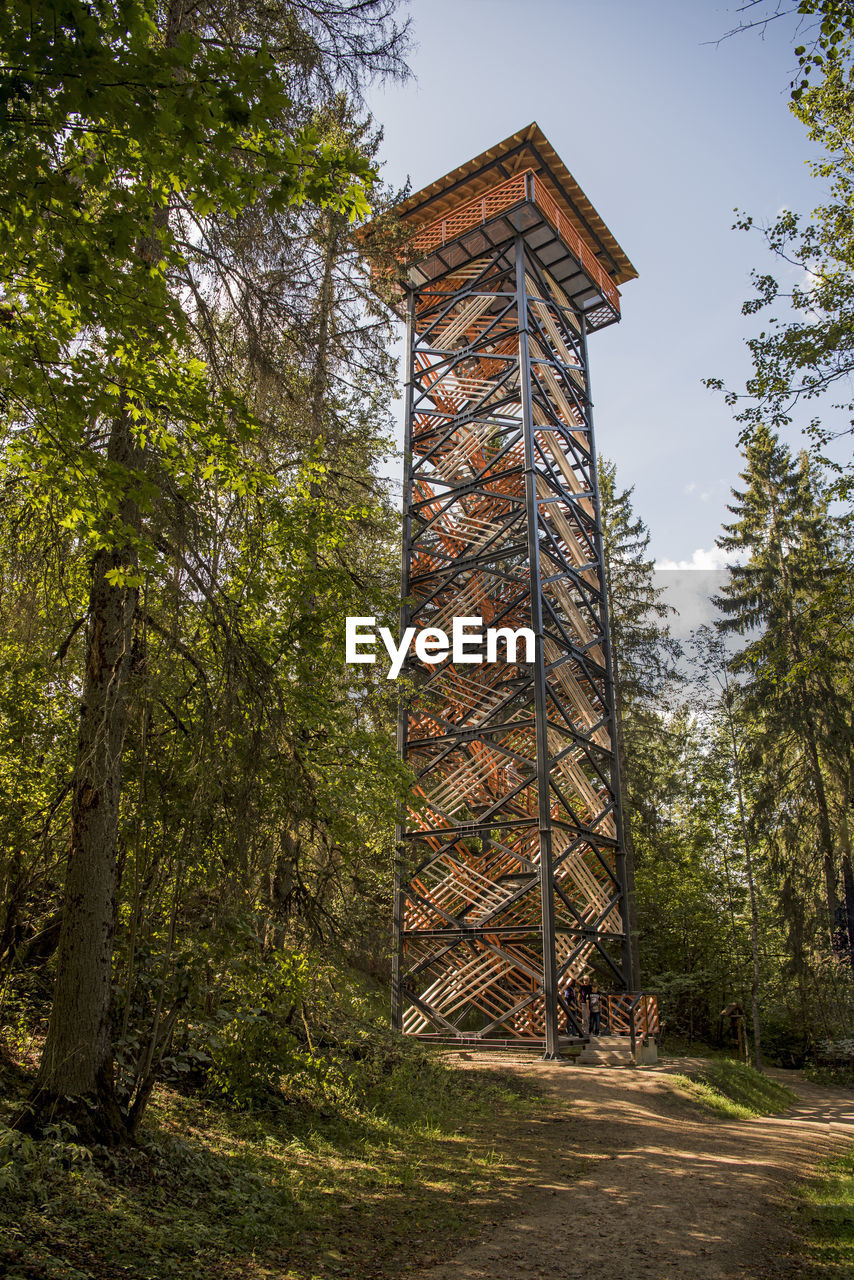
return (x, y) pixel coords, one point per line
(731, 1089)
(685, 1047)
(300, 1193)
(838, 1077)
(825, 1222)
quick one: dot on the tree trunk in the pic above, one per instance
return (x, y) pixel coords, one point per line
(751, 884)
(808, 711)
(847, 870)
(848, 884)
(735, 948)
(754, 947)
(825, 832)
(75, 1078)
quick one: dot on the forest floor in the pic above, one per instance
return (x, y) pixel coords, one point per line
(630, 1181)
(507, 1169)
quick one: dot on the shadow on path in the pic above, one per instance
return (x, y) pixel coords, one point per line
(649, 1187)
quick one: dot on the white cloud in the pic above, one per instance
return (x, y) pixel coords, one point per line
(703, 558)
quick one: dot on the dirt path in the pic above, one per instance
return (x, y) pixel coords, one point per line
(630, 1183)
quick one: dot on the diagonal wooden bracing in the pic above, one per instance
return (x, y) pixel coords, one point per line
(510, 875)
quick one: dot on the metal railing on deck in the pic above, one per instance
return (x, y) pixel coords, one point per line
(522, 186)
(631, 1011)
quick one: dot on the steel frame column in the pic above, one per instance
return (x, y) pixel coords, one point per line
(543, 793)
(397, 954)
(509, 874)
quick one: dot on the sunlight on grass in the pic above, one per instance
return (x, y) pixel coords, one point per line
(825, 1221)
(358, 1189)
(731, 1089)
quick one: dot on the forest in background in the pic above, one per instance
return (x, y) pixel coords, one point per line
(196, 404)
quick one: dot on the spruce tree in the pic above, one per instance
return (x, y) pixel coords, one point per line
(793, 663)
(644, 658)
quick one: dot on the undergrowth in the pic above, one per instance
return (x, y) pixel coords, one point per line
(838, 1077)
(728, 1088)
(361, 1184)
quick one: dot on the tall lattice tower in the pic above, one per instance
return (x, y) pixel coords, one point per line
(511, 873)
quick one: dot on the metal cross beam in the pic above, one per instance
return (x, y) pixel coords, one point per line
(510, 874)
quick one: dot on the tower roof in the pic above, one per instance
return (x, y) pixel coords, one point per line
(527, 149)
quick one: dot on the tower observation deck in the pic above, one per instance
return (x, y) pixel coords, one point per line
(511, 873)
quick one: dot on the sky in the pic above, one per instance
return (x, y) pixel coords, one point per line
(667, 129)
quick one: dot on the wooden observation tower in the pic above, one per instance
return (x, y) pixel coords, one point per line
(511, 872)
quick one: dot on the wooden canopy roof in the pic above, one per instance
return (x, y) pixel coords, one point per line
(527, 149)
